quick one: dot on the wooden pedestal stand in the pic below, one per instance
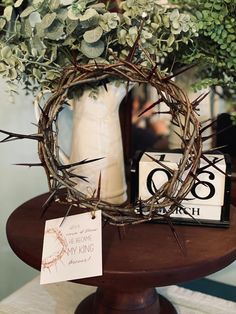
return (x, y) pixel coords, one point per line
(135, 260)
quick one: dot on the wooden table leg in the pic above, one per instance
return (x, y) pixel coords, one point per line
(108, 301)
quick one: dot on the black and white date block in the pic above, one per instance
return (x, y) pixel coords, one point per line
(209, 199)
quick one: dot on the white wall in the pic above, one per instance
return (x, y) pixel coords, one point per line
(17, 183)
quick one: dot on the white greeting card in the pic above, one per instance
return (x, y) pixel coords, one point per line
(72, 249)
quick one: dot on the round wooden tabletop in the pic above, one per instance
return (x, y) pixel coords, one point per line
(145, 255)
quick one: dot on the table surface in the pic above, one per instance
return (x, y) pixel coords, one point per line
(145, 255)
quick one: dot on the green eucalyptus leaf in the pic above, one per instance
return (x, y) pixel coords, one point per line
(66, 2)
(11, 61)
(18, 3)
(88, 14)
(55, 26)
(3, 67)
(208, 5)
(6, 52)
(174, 15)
(28, 11)
(175, 24)
(93, 35)
(39, 30)
(62, 14)
(133, 31)
(26, 28)
(8, 12)
(170, 40)
(24, 49)
(199, 15)
(71, 26)
(170, 49)
(72, 15)
(223, 46)
(233, 54)
(20, 66)
(12, 74)
(154, 26)
(2, 23)
(34, 18)
(52, 75)
(69, 41)
(41, 58)
(55, 35)
(37, 3)
(37, 74)
(166, 21)
(54, 4)
(217, 6)
(48, 19)
(53, 53)
(90, 18)
(55, 32)
(92, 51)
(146, 34)
(34, 52)
(37, 43)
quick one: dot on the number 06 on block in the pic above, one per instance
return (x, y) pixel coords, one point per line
(209, 199)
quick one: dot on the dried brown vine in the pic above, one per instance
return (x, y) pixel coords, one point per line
(183, 114)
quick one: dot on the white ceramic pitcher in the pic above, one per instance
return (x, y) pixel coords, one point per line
(96, 133)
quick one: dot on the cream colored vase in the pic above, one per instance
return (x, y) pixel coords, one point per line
(96, 133)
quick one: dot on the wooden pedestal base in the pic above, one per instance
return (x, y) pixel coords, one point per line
(147, 255)
(106, 301)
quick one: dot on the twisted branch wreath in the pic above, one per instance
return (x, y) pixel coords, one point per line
(183, 115)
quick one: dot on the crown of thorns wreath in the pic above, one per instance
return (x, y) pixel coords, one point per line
(183, 115)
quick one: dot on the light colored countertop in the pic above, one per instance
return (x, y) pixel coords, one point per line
(62, 298)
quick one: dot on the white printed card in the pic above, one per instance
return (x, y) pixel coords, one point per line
(72, 249)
